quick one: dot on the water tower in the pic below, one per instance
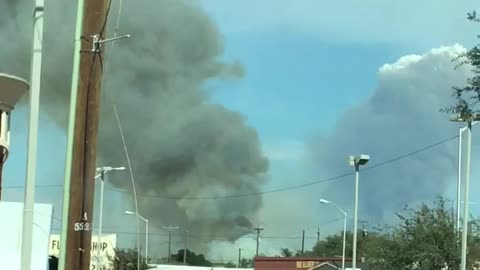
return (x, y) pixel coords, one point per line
(12, 89)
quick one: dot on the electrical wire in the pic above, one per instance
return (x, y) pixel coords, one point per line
(428, 147)
(96, 52)
(131, 177)
(125, 148)
(275, 190)
(83, 213)
(208, 238)
(204, 238)
(106, 18)
(37, 186)
(338, 177)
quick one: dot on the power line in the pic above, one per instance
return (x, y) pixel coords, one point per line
(223, 238)
(428, 147)
(199, 237)
(302, 185)
(37, 186)
(411, 153)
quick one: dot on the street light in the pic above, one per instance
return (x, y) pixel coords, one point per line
(101, 174)
(459, 172)
(12, 89)
(356, 161)
(471, 119)
(146, 231)
(323, 201)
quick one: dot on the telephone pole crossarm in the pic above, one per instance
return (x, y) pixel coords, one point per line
(258, 229)
(170, 228)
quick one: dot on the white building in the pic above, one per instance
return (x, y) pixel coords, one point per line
(107, 249)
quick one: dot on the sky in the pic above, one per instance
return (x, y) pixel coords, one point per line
(316, 71)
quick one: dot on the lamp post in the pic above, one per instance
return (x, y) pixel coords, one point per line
(12, 89)
(459, 173)
(470, 120)
(146, 232)
(101, 174)
(34, 108)
(356, 161)
(323, 201)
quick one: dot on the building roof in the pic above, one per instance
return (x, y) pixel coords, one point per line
(183, 267)
(317, 259)
(321, 265)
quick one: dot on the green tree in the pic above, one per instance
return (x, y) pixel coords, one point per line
(424, 239)
(229, 265)
(333, 245)
(246, 263)
(285, 252)
(468, 96)
(126, 259)
(192, 258)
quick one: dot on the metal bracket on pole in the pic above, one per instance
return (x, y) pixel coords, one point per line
(97, 42)
(38, 9)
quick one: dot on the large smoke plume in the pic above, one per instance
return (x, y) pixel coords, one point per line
(402, 115)
(181, 145)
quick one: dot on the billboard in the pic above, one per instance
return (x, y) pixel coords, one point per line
(107, 246)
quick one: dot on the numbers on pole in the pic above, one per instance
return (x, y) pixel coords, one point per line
(81, 226)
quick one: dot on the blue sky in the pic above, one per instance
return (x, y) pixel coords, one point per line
(290, 78)
(305, 66)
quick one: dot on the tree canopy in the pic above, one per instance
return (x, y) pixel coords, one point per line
(126, 259)
(468, 95)
(424, 238)
(192, 258)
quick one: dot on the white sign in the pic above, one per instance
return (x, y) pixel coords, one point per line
(11, 235)
(107, 247)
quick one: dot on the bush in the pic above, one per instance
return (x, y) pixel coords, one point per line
(126, 259)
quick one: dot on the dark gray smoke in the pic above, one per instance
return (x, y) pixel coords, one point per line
(181, 145)
(401, 116)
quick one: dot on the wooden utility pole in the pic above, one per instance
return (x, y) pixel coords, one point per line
(170, 228)
(185, 248)
(239, 257)
(258, 229)
(303, 242)
(80, 214)
(318, 240)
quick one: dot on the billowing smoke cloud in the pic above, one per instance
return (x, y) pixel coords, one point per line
(401, 116)
(181, 145)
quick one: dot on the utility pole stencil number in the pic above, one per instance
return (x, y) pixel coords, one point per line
(82, 226)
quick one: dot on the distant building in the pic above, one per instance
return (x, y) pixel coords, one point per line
(183, 267)
(300, 263)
